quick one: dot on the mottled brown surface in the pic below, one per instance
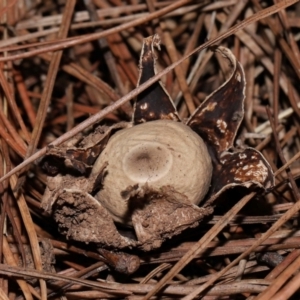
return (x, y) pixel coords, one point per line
(245, 168)
(154, 103)
(218, 118)
(81, 154)
(163, 214)
(80, 217)
(156, 216)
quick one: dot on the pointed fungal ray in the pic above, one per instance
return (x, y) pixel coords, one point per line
(154, 103)
(87, 228)
(247, 168)
(82, 155)
(75, 158)
(218, 118)
(80, 160)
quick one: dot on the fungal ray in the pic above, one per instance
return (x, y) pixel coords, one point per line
(155, 102)
(245, 168)
(218, 118)
(81, 153)
(86, 220)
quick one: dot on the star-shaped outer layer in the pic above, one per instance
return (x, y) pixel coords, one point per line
(69, 195)
(216, 120)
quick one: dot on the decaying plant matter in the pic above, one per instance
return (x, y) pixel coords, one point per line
(158, 174)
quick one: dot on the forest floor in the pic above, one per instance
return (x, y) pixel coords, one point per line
(69, 66)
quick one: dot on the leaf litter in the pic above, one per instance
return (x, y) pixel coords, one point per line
(251, 32)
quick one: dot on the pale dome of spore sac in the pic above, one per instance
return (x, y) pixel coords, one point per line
(157, 154)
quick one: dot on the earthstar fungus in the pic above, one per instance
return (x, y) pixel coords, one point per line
(152, 174)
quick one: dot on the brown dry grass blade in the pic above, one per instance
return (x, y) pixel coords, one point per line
(10, 260)
(95, 118)
(269, 292)
(12, 103)
(65, 43)
(287, 164)
(28, 223)
(113, 288)
(7, 7)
